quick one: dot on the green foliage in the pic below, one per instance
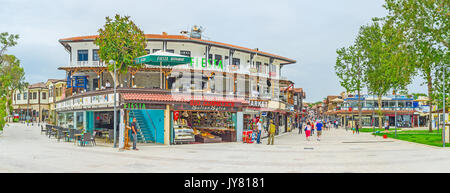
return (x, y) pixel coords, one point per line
(122, 41)
(11, 75)
(349, 68)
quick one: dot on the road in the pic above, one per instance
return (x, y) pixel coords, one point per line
(24, 149)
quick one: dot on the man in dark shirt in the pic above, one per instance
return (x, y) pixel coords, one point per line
(134, 133)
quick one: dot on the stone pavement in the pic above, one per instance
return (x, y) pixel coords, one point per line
(24, 149)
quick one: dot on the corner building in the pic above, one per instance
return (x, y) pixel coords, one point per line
(203, 101)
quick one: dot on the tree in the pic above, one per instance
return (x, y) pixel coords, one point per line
(428, 24)
(12, 79)
(122, 41)
(6, 41)
(388, 66)
(350, 70)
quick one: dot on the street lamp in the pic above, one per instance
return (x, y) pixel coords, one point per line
(112, 62)
(443, 102)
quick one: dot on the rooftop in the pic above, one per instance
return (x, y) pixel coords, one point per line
(184, 38)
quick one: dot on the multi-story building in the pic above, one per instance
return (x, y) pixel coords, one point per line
(402, 107)
(37, 102)
(225, 81)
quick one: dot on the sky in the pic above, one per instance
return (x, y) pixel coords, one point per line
(304, 30)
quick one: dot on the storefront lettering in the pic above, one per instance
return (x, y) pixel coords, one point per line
(134, 106)
(211, 103)
(259, 103)
(201, 61)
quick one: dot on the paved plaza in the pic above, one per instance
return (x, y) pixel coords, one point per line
(24, 149)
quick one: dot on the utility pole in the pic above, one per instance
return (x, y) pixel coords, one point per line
(443, 104)
(112, 62)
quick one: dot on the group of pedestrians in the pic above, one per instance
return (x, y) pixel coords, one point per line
(310, 126)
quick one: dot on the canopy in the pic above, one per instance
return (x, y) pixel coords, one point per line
(161, 58)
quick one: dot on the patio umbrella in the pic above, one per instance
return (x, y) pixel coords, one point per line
(162, 58)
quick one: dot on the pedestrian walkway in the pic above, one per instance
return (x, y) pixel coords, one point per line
(24, 149)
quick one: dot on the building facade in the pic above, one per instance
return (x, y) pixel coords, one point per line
(212, 98)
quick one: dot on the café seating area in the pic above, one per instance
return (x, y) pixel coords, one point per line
(79, 137)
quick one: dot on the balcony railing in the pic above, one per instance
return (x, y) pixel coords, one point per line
(87, 64)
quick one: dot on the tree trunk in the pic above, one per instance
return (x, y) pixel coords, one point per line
(380, 118)
(115, 78)
(430, 88)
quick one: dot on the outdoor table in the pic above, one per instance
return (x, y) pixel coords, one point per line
(77, 137)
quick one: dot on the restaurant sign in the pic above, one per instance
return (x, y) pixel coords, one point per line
(133, 106)
(197, 105)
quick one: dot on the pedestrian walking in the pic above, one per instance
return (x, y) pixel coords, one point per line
(134, 133)
(300, 127)
(308, 130)
(271, 133)
(259, 125)
(386, 126)
(357, 128)
(312, 127)
(319, 129)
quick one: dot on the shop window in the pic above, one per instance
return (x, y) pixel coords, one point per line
(82, 55)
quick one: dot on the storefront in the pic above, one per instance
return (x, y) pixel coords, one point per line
(206, 122)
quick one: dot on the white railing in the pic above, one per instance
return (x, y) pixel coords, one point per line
(87, 64)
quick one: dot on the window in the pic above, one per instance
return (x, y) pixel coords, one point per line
(44, 95)
(266, 68)
(147, 51)
(218, 58)
(82, 55)
(185, 53)
(258, 67)
(34, 95)
(210, 58)
(95, 55)
(236, 61)
(155, 50)
(170, 51)
(25, 96)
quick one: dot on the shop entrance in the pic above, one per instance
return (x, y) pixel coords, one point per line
(150, 123)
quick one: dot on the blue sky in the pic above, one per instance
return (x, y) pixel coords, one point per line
(304, 30)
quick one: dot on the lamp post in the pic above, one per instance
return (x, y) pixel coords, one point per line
(112, 62)
(443, 103)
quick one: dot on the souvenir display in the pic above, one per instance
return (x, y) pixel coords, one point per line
(207, 127)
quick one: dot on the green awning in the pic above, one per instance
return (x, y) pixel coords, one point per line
(163, 59)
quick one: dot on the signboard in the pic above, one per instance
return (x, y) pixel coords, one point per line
(259, 103)
(197, 105)
(134, 106)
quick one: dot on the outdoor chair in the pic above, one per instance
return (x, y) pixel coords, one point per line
(88, 138)
(110, 136)
(60, 133)
(43, 129)
(53, 132)
(48, 129)
(70, 135)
